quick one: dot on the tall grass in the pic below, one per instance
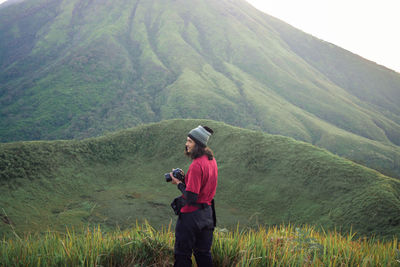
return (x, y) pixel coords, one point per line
(294, 246)
(145, 246)
(140, 245)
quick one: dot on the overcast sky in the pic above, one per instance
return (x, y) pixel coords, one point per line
(369, 28)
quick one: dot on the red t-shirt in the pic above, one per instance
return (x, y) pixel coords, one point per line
(201, 179)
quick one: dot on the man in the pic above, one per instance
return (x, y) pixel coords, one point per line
(196, 221)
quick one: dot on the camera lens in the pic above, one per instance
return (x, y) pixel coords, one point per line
(168, 177)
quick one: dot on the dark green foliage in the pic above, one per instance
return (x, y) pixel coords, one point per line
(119, 178)
(77, 69)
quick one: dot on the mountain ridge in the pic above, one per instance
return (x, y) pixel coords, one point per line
(93, 67)
(263, 179)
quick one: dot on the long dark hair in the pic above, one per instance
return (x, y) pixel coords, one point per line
(199, 151)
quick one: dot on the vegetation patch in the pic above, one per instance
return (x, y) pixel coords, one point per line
(118, 179)
(143, 245)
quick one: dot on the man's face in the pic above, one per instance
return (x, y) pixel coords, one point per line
(190, 144)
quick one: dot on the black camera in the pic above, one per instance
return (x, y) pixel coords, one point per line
(177, 173)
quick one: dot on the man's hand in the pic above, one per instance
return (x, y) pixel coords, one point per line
(174, 180)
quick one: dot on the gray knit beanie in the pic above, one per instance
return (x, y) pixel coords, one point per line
(201, 135)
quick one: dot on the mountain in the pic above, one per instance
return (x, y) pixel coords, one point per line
(77, 69)
(119, 178)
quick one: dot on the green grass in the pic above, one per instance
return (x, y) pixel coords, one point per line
(117, 179)
(76, 70)
(144, 245)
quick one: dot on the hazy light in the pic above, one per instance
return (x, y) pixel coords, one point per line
(368, 28)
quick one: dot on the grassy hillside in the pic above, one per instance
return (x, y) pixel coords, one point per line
(145, 246)
(119, 178)
(78, 69)
(356, 75)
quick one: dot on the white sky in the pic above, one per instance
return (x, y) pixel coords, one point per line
(369, 28)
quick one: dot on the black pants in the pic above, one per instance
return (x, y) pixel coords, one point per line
(194, 234)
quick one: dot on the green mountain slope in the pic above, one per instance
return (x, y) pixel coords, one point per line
(76, 69)
(376, 88)
(119, 178)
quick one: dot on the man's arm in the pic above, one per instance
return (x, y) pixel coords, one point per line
(191, 198)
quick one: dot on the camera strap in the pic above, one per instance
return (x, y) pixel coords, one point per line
(213, 212)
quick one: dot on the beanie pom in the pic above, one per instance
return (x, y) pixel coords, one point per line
(208, 129)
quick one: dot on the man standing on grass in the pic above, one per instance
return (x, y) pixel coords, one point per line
(196, 221)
